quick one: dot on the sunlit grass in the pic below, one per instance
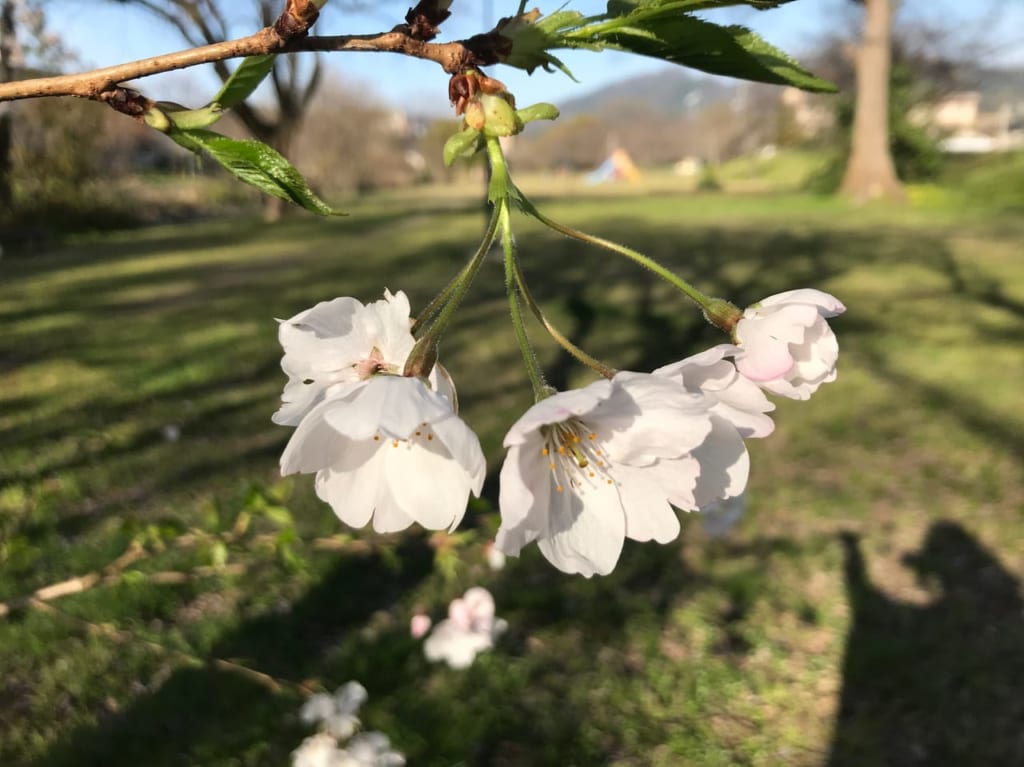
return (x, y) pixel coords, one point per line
(701, 652)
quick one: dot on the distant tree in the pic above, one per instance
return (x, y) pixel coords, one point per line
(27, 47)
(870, 172)
(7, 42)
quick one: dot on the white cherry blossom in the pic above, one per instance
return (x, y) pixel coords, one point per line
(590, 467)
(391, 449)
(737, 399)
(382, 446)
(340, 342)
(469, 629)
(785, 344)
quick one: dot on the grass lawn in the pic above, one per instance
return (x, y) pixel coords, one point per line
(866, 611)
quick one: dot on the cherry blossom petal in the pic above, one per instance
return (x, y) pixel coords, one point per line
(585, 536)
(391, 405)
(649, 517)
(725, 465)
(314, 444)
(352, 484)
(524, 496)
(425, 483)
(831, 305)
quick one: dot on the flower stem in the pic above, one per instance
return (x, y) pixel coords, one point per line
(540, 388)
(704, 302)
(447, 301)
(564, 342)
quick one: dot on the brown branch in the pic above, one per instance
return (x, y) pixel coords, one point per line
(272, 683)
(99, 84)
(79, 583)
(111, 574)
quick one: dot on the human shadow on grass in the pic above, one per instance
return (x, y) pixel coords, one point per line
(938, 684)
(215, 715)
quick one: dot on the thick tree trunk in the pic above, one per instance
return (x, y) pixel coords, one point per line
(6, 51)
(870, 173)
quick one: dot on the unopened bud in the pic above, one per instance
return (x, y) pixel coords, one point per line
(421, 359)
(500, 118)
(722, 314)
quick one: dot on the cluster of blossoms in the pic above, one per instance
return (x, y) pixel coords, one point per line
(470, 628)
(336, 717)
(585, 468)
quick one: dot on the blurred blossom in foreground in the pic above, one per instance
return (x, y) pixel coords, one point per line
(336, 714)
(495, 556)
(419, 625)
(469, 629)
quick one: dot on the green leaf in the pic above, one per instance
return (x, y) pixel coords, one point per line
(661, 29)
(623, 7)
(699, 44)
(782, 66)
(285, 546)
(279, 515)
(218, 554)
(532, 40)
(256, 164)
(244, 80)
(463, 143)
(538, 111)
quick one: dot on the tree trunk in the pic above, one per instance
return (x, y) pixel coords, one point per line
(6, 73)
(870, 173)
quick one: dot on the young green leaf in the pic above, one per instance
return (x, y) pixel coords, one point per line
(244, 80)
(699, 44)
(662, 29)
(623, 7)
(460, 144)
(256, 164)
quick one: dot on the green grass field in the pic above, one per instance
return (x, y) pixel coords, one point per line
(867, 610)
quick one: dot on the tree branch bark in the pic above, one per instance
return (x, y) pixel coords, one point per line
(452, 57)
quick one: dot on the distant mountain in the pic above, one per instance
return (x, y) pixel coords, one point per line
(671, 92)
(657, 118)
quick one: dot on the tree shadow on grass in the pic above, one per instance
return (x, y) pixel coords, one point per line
(210, 715)
(939, 684)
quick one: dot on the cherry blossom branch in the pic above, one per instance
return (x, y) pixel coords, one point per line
(103, 84)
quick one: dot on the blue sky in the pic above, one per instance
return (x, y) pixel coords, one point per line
(104, 32)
